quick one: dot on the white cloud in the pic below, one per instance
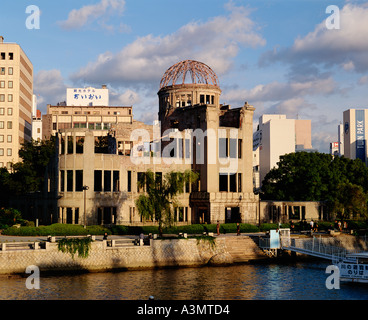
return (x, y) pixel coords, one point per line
(49, 87)
(277, 91)
(128, 98)
(215, 42)
(344, 47)
(101, 11)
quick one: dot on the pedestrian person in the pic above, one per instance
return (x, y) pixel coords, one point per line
(238, 229)
(311, 225)
(105, 236)
(339, 225)
(218, 227)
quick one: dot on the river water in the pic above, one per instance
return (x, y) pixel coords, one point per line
(296, 281)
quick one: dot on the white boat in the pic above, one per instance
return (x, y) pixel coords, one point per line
(354, 267)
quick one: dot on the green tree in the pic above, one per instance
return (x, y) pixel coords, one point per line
(160, 195)
(350, 201)
(28, 175)
(314, 176)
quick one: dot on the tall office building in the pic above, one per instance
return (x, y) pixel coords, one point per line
(16, 99)
(355, 134)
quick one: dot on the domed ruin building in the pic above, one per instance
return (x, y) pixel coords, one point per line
(189, 101)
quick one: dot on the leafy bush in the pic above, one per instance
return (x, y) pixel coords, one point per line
(57, 229)
(9, 217)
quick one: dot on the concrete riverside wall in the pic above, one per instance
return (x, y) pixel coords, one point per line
(161, 253)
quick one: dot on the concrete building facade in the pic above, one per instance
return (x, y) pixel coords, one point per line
(16, 98)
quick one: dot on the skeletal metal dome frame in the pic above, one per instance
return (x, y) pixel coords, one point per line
(199, 72)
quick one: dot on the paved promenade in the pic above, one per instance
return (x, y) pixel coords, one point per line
(5, 238)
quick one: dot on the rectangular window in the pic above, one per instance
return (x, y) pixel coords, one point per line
(69, 180)
(10, 125)
(11, 55)
(10, 111)
(10, 71)
(233, 147)
(9, 152)
(2, 71)
(1, 124)
(2, 97)
(115, 181)
(2, 111)
(2, 84)
(54, 126)
(9, 138)
(239, 182)
(180, 148)
(70, 144)
(76, 216)
(129, 187)
(1, 151)
(201, 98)
(181, 214)
(62, 180)
(187, 148)
(98, 181)
(107, 181)
(233, 182)
(10, 84)
(223, 182)
(1, 138)
(78, 180)
(139, 178)
(10, 98)
(2, 55)
(79, 144)
(223, 148)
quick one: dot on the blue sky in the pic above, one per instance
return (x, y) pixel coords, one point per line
(277, 55)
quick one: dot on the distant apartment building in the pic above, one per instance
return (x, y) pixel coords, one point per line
(36, 121)
(16, 99)
(275, 136)
(100, 118)
(334, 148)
(355, 134)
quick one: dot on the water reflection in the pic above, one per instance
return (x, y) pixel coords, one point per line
(242, 282)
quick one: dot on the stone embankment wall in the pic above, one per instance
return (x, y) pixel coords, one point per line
(161, 253)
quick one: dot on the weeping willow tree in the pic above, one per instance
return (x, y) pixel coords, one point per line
(160, 192)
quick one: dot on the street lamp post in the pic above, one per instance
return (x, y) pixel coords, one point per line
(85, 188)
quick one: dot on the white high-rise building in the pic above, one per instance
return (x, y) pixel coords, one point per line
(340, 134)
(275, 136)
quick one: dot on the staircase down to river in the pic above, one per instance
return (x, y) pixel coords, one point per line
(243, 248)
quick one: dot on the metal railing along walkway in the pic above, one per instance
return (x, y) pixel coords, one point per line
(317, 247)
